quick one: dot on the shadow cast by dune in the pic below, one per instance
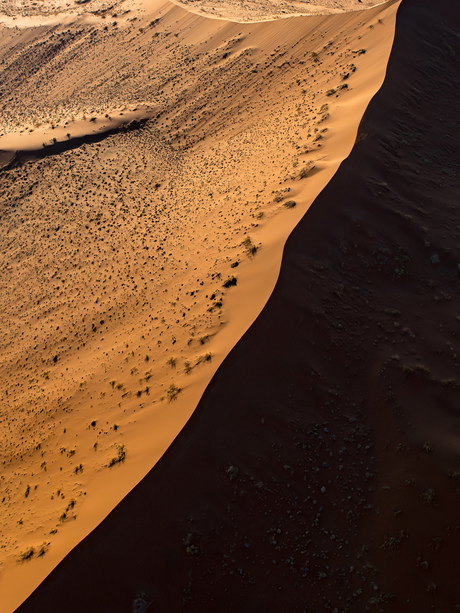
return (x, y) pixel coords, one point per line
(10, 159)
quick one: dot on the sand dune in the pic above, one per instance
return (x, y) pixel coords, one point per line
(18, 13)
(17, 148)
(266, 10)
(133, 260)
(320, 470)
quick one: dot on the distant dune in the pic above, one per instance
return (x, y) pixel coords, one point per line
(320, 470)
(265, 10)
(20, 13)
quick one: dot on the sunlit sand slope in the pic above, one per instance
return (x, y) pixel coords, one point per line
(153, 165)
(320, 471)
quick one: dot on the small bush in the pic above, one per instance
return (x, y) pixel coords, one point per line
(428, 496)
(249, 246)
(141, 603)
(230, 282)
(393, 542)
(307, 171)
(173, 392)
(27, 554)
(121, 455)
(207, 357)
(290, 204)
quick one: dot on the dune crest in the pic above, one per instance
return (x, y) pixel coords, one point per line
(134, 264)
(15, 13)
(253, 11)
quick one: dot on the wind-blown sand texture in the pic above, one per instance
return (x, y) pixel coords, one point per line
(130, 191)
(320, 470)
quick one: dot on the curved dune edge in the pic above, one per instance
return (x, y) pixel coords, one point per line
(268, 11)
(251, 12)
(254, 287)
(338, 298)
(17, 148)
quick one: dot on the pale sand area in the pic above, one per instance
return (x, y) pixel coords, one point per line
(114, 254)
(265, 10)
(18, 13)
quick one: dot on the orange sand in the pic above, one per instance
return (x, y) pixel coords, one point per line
(114, 253)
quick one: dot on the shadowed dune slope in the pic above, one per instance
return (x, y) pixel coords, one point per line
(320, 469)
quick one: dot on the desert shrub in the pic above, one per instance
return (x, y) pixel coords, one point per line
(393, 542)
(249, 246)
(428, 496)
(121, 454)
(27, 554)
(173, 392)
(230, 282)
(307, 171)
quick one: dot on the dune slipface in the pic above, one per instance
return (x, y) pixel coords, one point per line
(320, 469)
